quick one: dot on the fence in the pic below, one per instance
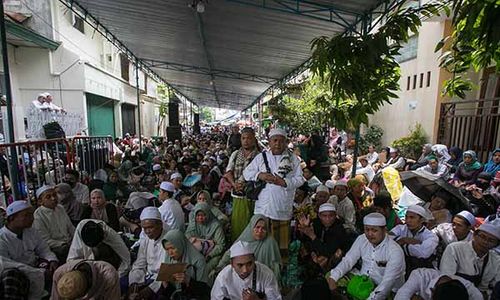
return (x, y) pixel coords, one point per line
(471, 125)
(45, 162)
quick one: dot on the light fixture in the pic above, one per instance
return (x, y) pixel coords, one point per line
(200, 7)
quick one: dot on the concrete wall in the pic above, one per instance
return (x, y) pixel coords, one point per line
(415, 105)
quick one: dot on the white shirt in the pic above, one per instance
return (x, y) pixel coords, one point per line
(275, 202)
(78, 249)
(446, 234)
(39, 105)
(428, 238)
(229, 284)
(172, 214)
(34, 275)
(81, 192)
(345, 209)
(460, 257)
(372, 157)
(422, 281)
(147, 264)
(54, 225)
(367, 171)
(26, 250)
(384, 264)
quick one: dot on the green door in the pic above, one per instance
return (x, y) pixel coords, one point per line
(101, 116)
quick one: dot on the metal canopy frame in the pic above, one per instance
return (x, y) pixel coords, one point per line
(343, 21)
(81, 12)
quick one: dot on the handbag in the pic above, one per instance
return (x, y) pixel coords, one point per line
(253, 188)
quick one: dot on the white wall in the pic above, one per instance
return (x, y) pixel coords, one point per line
(415, 105)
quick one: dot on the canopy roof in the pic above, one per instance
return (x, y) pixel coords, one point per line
(230, 54)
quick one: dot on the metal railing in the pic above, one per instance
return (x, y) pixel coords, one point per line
(91, 153)
(471, 125)
(39, 162)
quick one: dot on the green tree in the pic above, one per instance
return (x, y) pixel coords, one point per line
(474, 42)
(361, 70)
(164, 94)
(206, 114)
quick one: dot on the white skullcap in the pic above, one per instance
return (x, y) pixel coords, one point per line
(17, 206)
(43, 189)
(340, 183)
(150, 213)
(490, 228)
(420, 210)
(175, 176)
(156, 167)
(277, 131)
(330, 184)
(326, 207)
(392, 150)
(468, 217)
(322, 188)
(206, 164)
(167, 186)
(240, 248)
(374, 219)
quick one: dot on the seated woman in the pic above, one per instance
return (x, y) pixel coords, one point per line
(113, 188)
(467, 170)
(100, 209)
(206, 234)
(265, 248)
(193, 281)
(312, 181)
(438, 208)
(204, 197)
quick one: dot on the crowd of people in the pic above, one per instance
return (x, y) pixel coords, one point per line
(226, 215)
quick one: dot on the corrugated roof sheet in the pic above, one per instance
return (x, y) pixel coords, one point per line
(238, 38)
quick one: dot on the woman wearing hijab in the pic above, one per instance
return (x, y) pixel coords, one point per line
(264, 246)
(468, 169)
(441, 152)
(493, 165)
(455, 160)
(68, 200)
(101, 209)
(206, 234)
(193, 281)
(422, 160)
(204, 197)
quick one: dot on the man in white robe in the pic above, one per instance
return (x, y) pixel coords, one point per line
(80, 190)
(170, 209)
(423, 282)
(87, 238)
(142, 277)
(245, 278)
(381, 258)
(459, 230)
(52, 222)
(475, 260)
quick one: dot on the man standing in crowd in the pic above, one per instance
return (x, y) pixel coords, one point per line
(382, 258)
(234, 140)
(245, 278)
(239, 160)
(170, 209)
(275, 201)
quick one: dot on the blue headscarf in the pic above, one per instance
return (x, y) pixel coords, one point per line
(491, 167)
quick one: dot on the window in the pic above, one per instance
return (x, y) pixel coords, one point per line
(415, 81)
(429, 79)
(421, 80)
(78, 23)
(408, 82)
(408, 50)
(124, 64)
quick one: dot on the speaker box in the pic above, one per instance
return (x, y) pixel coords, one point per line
(174, 133)
(196, 127)
(173, 113)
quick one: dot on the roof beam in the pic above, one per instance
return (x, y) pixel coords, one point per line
(201, 31)
(207, 71)
(188, 89)
(310, 9)
(81, 12)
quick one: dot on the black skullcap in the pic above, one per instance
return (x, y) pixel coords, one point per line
(92, 234)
